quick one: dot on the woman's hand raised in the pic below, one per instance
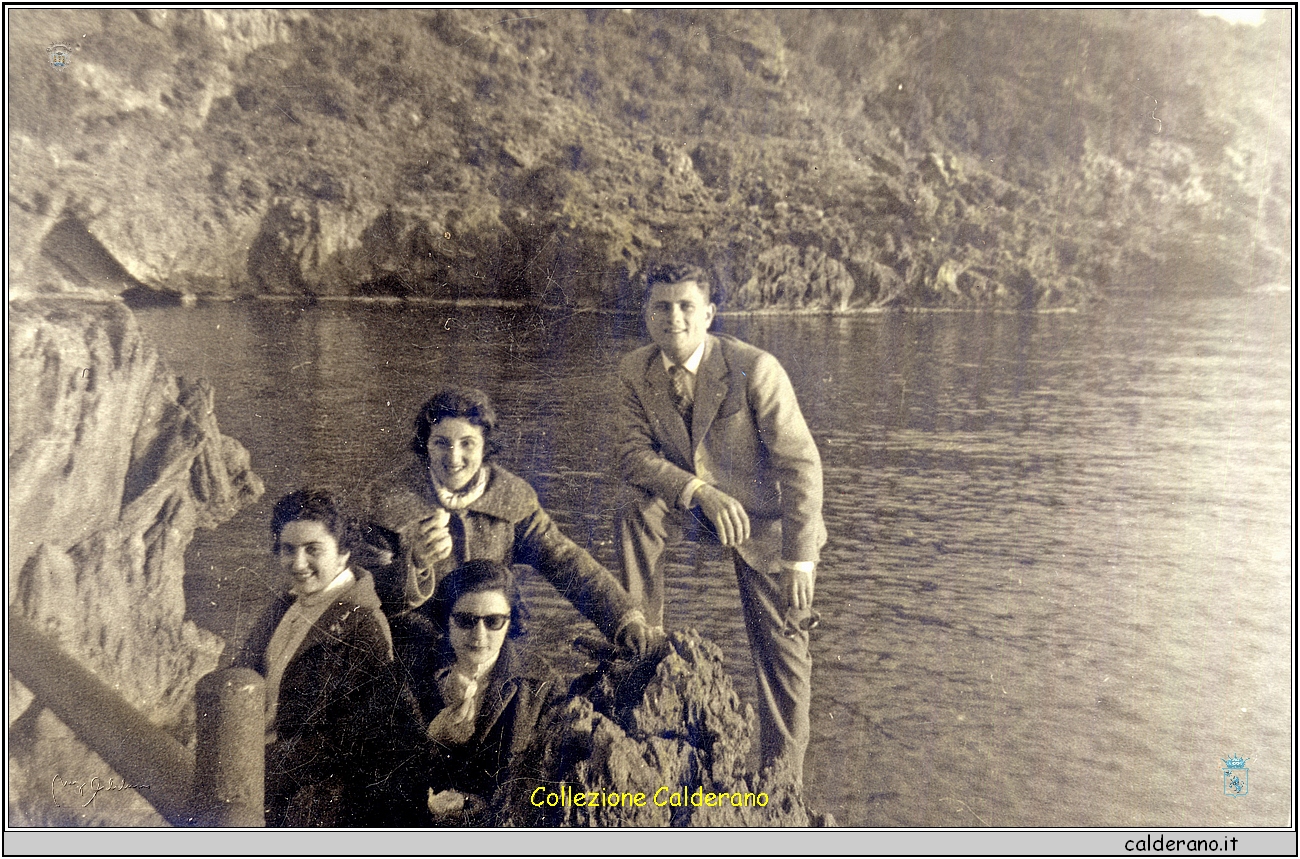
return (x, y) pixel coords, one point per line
(431, 542)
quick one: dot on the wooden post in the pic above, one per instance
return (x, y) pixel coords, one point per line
(230, 758)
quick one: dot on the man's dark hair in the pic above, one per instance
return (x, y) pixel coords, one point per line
(676, 272)
(314, 505)
(469, 403)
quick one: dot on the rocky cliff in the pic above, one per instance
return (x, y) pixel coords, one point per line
(113, 463)
(817, 160)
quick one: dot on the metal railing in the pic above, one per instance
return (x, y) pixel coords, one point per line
(219, 783)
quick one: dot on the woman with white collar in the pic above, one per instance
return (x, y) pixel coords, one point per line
(336, 715)
(479, 703)
(452, 504)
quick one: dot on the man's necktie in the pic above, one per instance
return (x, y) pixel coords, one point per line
(683, 390)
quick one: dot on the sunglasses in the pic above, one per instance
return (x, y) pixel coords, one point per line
(468, 620)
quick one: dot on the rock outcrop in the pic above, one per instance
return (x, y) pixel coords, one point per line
(455, 154)
(667, 728)
(113, 464)
(790, 278)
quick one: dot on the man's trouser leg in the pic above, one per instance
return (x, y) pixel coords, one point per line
(782, 665)
(645, 526)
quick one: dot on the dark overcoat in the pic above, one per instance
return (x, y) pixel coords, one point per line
(508, 524)
(345, 729)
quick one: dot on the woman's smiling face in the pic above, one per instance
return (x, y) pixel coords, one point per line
(310, 556)
(455, 452)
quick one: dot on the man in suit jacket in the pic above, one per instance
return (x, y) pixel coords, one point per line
(712, 436)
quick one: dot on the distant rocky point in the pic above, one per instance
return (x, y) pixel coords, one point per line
(811, 160)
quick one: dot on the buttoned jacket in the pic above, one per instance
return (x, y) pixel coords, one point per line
(506, 523)
(343, 723)
(504, 729)
(748, 438)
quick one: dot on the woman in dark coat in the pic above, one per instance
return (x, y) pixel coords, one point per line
(339, 725)
(480, 708)
(453, 505)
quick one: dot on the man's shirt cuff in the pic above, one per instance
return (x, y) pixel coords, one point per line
(688, 494)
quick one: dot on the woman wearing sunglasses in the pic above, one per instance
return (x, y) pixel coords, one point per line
(481, 710)
(452, 504)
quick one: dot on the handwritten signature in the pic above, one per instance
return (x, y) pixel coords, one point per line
(93, 787)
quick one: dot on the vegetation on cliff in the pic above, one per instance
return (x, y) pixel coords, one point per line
(812, 159)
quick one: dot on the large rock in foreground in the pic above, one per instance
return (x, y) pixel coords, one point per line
(671, 728)
(113, 464)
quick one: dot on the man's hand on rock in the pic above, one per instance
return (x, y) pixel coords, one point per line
(726, 513)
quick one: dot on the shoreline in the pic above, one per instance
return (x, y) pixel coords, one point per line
(190, 300)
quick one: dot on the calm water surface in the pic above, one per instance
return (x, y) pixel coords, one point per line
(1058, 588)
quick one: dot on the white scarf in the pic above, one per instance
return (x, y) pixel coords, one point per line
(289, 634)
(463, 695)
(453, 499)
